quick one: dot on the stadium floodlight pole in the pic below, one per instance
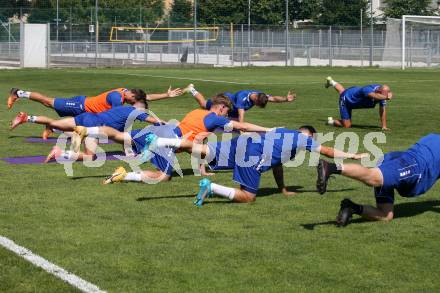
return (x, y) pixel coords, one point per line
(195, 31)
(58, 18)
(362, 39)
(403, 40)
(287, 30)
(96, 33)
(249, 32)
(372, 33)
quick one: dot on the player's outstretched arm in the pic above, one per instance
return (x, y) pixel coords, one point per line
(278, 174)
(381, 96)
(291, 96)
(153, 120)
(241, 113)
(249, 127)
(383, 117)
(334, 153)
(171, 93)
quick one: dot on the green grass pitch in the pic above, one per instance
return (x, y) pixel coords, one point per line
(138, 237)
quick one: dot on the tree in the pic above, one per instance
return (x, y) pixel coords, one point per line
(11, 8)
(342, 12)
(79, 11)
(397, 8)
(304, 9)
(224, 12)
(181, 12)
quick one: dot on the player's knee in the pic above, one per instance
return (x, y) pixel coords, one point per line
(346, 123)
(388, 216)
(246, 197)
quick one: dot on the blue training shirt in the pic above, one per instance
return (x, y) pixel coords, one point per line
(117, 117)
(114, 99)
(272, 149)
(427, 153)
(357, 97)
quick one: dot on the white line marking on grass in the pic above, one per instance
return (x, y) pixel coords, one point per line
(49, 267)
(252, 82)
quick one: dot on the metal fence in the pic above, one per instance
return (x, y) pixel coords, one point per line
(234, 45)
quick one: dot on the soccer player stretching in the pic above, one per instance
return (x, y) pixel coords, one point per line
(263, 152)
(241, 100)
(196, 124)
(359, 98)
(83, 104)
(411, 173)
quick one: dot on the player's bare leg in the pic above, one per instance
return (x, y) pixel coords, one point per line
(383, 212)
(370, 176)
(40, 98)
(65, 124)
(331, 83)
(81, 132)
(16, 94)
(342, 123)
(198, 96)
(208, 189)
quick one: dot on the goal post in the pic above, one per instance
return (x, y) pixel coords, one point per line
(168, 35)
(419, 19)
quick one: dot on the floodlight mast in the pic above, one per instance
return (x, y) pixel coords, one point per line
(403, 40)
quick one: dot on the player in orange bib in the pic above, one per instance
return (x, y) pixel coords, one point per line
(77, 105)
(92, 104)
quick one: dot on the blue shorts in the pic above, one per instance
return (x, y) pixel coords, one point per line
(88, 120)
(233, 113)
(344, 109)
(69, 107)
(401, 172)
(248, 177)
(163, 158)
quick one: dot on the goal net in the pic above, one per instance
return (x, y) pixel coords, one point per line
(413, 41)
(164, 35)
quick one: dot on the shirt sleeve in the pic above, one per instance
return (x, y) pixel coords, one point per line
(366, 90)
(114, 99)
(307, 143)
(141, 115)
(213, 121)
(239, 103)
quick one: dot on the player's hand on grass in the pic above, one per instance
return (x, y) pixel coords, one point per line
(174, 92)
(291, 96)
(287, 193)
(207, 173)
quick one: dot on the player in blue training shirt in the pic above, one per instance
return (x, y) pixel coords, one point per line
(411, 173)
(194, 126)
(249, 156)
(117, 117)
(241, 100)
(359, 98)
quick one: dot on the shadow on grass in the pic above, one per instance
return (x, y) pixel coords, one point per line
(312, 226)
(145, 198)
(411, 209)
(358, 126)
(366, 126)
(87, 177)
(403, 210)
(298, 189)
